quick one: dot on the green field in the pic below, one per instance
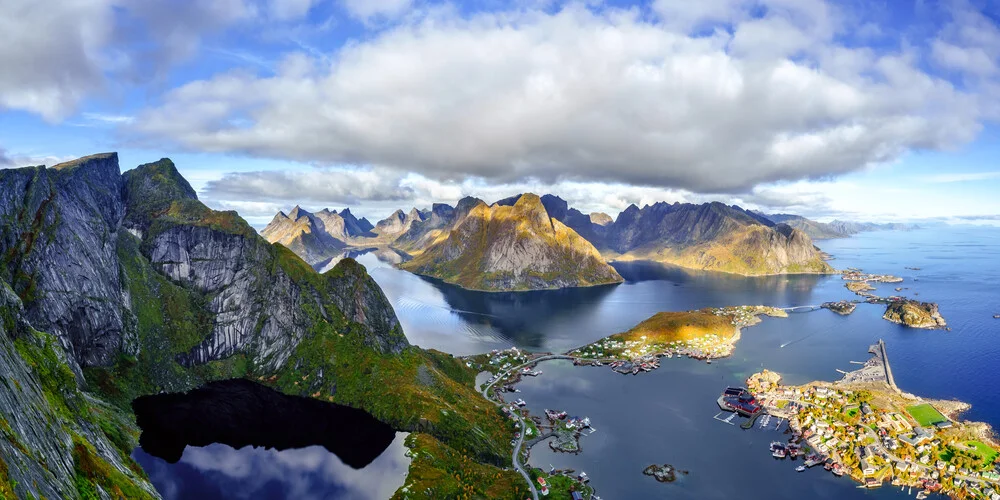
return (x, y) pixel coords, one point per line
(925, 414)
(988, 454)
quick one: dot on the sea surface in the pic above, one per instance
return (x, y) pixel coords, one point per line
(666, 416)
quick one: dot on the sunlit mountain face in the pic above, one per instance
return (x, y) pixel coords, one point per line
(377, 249)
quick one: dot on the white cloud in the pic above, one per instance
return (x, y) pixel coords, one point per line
(609, 96)
(55, 54)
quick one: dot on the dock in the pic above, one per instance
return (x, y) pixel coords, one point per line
(885, 363)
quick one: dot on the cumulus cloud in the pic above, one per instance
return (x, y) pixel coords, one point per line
(337, 187)
(587, 94)
(54, 54)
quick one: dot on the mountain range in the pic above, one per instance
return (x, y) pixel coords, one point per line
(544, 243)
(834, 229)
(117, 285)
(518, 246)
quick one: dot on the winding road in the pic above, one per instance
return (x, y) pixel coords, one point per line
(515, 457)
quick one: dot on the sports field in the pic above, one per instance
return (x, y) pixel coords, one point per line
(925, 414)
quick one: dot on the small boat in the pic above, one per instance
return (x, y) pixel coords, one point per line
(520, 402)
(996, 316)
(838, 472)
(779, 453)
(922, 495)
(800, 468)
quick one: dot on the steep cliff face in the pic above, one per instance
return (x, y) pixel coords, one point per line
(58, 241)
(55, 441)
(514, 247)
(711, 236)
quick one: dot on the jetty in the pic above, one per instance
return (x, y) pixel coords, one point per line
(885, 365)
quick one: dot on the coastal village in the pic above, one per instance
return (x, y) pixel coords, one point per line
(865, 427)
(862, 426)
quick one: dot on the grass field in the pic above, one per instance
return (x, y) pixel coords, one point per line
(925, 414)
(988, 454)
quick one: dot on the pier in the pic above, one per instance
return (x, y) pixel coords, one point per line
(885, 364)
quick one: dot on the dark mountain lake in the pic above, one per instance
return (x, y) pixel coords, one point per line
(666, 416)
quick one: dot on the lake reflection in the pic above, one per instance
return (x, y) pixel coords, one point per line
(239, 439)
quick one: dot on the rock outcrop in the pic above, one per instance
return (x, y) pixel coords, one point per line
(514, 247)
(914, 314)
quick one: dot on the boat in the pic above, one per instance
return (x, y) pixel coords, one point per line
(996, 316)
(921, 495)
(583, 477)
(776, 444)
(800, 468)
(838, 472)
(779, 453)
(520, 402)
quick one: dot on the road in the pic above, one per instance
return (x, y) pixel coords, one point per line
(515, 457)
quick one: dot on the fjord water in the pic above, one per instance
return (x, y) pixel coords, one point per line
(666, 416)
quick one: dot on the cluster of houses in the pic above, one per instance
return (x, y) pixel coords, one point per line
(876, 445)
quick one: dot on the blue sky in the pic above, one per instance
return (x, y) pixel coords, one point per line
(849, 109)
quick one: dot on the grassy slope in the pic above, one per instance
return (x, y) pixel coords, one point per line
(680, 326)
(437, 471)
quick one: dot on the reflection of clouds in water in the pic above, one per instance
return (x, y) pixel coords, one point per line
(305, 473)
(159, 474)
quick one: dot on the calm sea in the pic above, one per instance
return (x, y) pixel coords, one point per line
(667, 416)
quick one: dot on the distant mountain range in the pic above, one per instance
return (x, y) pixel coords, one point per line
(543, 243)
(834, 229)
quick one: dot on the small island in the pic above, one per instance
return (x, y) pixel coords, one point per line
(841, 307)
(706, 334)
(665, 473)
(914, 314)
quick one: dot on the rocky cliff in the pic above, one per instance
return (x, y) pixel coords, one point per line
(914, 314)
(56, 441)
(711, 236)
(514, 247)
(148, 290)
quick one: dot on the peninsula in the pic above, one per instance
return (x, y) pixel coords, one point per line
(866, 427)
